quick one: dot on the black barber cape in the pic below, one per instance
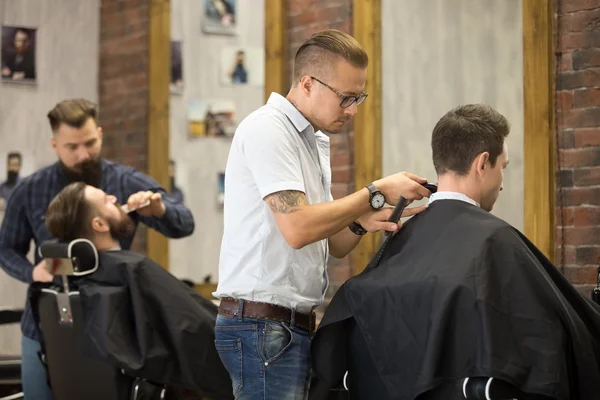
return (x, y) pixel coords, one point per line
(459, 293)
(141, 318)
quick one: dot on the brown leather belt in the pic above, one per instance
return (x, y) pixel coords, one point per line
(252, 309)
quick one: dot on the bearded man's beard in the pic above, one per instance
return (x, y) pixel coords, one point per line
(123, 228)
(11, 178)
(88, 171)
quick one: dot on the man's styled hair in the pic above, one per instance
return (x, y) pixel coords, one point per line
(317, 54)
(13, 154)
(72, 112)
(69, 214)
(465, 132)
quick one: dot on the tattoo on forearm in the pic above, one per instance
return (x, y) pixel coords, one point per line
(286, 202)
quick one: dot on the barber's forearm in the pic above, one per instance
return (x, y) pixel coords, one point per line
(16, 265)
(176, 222)
(311, 223)
(343, 242)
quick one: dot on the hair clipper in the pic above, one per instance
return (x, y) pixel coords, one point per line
(403, 202)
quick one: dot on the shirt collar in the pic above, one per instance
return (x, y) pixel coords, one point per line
(452, 196)
(282, 104)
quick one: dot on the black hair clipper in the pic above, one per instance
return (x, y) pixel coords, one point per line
(596, 290)
(399, 209)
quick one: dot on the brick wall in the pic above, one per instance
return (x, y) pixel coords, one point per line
(124, 85)
(578, 126)
(306, 17)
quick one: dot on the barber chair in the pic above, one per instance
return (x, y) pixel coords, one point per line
(366, 386)
(72, 374)
(10, 365)
(596, 290)
(472, 388)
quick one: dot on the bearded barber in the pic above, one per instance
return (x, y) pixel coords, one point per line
(77, 141)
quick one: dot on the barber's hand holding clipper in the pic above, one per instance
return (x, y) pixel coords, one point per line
(147, 204)
(388, 190)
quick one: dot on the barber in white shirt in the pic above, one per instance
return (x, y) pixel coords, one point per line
(281, 222)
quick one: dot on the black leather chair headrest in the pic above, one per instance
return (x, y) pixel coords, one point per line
(77, 257)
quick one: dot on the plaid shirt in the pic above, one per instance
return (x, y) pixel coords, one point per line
(26, 209)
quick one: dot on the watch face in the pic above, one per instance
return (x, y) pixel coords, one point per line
(378, 201)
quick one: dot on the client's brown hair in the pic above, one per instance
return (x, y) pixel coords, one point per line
(69, 214)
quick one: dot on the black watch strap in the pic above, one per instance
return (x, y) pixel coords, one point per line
(357, 229)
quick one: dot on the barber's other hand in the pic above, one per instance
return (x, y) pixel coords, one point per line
(41, 274)
(156, 208)
(402, 184)
(374, 221)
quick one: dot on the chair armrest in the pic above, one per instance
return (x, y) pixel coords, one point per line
(480, 388)
(10, 315)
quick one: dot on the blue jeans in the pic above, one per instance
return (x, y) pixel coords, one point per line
(33, 372)
(267, 360)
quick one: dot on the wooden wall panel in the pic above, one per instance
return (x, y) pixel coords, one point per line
(158, 114)
(539, 138)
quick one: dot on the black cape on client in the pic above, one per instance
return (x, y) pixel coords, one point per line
(459, 293)
(142, 319)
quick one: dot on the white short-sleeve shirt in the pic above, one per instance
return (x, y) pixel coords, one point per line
(274, 149)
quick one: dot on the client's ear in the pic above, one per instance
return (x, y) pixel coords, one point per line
(481, 162)
(100, 225)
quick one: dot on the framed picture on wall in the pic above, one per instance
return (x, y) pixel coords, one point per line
(211, 118)
(18, 54)
(243, 66)
(220, 16)
(176, 67)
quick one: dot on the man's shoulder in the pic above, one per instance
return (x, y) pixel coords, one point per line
(42, 175)
(264, 118)
(115, 168)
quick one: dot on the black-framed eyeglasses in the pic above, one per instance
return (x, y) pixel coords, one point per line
(347, 101)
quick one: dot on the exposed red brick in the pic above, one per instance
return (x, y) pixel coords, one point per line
(582, 236)
(581, 22)
(580, 274)
(587, 137)
(586, 216)
(586, 59)
(586, 98)
(579, 40)
(578, 5)
(566, 62)
(564, 100)
(579, 79)
(123, 88)
(564, 216)
(580, 117)
(589, 176)
(341, 174)
(580, 157)
(578, 196)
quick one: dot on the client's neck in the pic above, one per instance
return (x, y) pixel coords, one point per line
(451, 182)
(105, 242)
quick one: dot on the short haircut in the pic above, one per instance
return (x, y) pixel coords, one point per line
(13, 154)
(317, 55)
(69, 214)
(72, 112)
(465, 132)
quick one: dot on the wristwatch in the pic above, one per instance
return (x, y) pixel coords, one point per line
(357, 229)
(376, 198)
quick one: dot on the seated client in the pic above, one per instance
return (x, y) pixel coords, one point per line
(137, 315)
(460, 293)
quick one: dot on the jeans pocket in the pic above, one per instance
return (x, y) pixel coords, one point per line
(277, 338)
(230, 352)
